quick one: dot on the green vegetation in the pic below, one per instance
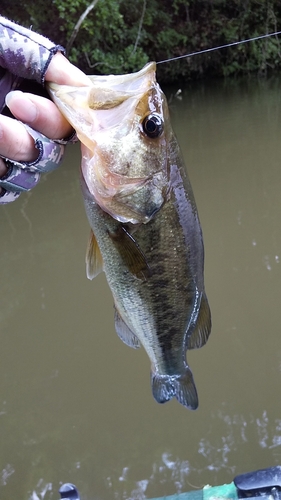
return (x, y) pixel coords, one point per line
(122, 35)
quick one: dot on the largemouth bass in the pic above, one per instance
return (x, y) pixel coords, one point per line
(146, 234)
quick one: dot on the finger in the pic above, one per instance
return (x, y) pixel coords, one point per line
(3, 168)
(16, 144)
(15, 141)
(61, 71)
(3, 171)
(39, 113)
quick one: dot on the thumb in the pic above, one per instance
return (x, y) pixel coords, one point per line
(62, 72)
(39, 113)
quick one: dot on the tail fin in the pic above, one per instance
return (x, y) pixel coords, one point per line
(182, 387)
(186, 392)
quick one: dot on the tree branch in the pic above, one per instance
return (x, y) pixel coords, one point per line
(140, 27)
(78, 24)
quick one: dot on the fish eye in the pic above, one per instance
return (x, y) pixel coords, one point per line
(153, 125)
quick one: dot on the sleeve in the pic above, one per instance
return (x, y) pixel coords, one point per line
(7, 82)
(25, 53)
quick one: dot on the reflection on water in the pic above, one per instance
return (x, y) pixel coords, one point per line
(75, 402)
(236, 435)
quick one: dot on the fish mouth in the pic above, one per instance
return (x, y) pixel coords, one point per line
(128, 81)
(107, 116)
(87, 108)
(104, 91)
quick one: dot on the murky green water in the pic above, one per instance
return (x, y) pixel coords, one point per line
(75, 402)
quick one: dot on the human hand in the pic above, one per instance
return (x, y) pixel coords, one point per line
(38, 112)
(21, 144)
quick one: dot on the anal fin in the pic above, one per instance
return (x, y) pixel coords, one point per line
(202, 328)
(124, 332)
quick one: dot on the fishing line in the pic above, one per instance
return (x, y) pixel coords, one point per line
(219, 47)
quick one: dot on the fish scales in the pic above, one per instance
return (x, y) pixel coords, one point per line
(162, 309)
(146, 238)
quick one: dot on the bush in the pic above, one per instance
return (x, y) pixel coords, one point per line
(120, 36)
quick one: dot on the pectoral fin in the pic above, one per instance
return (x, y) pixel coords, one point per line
(131, 253)
(203, 325)
(94, 262)
(124, 332)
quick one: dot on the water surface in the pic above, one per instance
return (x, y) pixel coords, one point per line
(75, 402)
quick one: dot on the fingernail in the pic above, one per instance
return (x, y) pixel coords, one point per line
(21, 107)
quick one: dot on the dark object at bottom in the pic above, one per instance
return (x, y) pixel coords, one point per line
(69, 492)
(264, 483)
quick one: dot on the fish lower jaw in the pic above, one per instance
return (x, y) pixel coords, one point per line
(121, 212)
(127, 200)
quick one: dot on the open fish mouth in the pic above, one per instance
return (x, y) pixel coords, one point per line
(103, 92)
(120, 121)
